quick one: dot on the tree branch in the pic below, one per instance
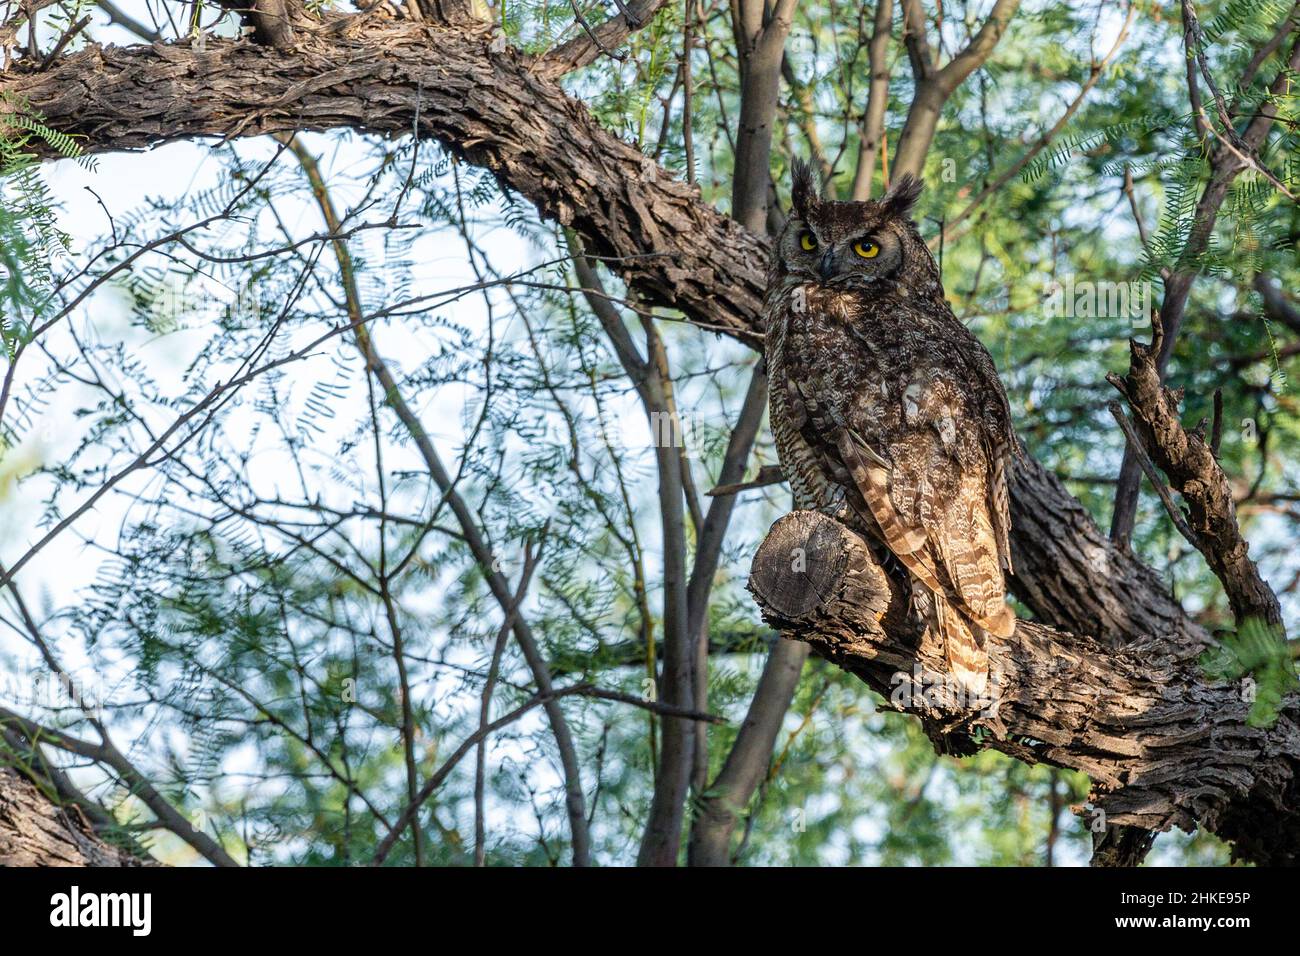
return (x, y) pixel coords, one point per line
(675, 250)
(592, 44)
(1194, 472)
(935, 85)
(872, 131)
(1225, 166)
(34, 831)
(489, 108)
(1163, 748)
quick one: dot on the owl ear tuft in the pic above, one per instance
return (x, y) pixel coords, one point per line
(902, 195)
(804, 193)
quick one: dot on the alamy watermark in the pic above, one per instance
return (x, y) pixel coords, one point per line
(75, 909)
(57, 692)
(1100, 300)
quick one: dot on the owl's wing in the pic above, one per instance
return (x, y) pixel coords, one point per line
(999, 438)
(999, 452)
(943, 534)
(950, 551)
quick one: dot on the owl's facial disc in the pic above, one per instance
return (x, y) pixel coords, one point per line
(801, 249)
(868, 258)
(831, 249)
(830, 254)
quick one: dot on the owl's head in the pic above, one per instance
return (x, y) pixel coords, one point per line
(848, 243)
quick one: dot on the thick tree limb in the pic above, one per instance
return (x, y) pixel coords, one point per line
(1161, 746)
(369, 74)
(1074, 578)
(1211, 522)
(34, 831)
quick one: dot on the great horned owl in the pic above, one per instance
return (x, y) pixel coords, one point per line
(888, 412)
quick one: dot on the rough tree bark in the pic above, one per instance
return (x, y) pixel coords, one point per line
(35, 831)
(1162, 747)
(489, 108)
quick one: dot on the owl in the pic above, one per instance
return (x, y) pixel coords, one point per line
(888, 413)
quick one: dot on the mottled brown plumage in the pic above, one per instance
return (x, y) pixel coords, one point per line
(888, 412)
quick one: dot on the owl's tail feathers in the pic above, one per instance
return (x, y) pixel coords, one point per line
(964, 647)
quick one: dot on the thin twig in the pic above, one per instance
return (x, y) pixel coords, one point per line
(1153, 476)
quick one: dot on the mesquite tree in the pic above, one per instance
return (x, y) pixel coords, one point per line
(384, 454)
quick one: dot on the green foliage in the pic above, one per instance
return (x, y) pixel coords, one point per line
(30, 239)
(1259, 656)
(1092, 141)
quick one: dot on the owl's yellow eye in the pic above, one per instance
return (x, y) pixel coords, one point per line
(808, 241)
(866, 248)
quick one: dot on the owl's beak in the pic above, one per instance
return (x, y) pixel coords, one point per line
(825, 266)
